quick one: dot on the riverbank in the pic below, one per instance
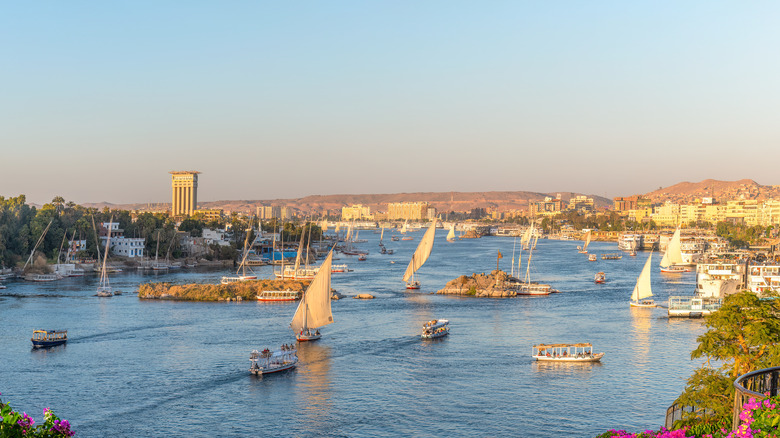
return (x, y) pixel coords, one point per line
(244, 290)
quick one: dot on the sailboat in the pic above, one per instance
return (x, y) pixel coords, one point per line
(405, 229)
(314, 309)
(242, 266)
(104, 289)
(673, 256)
(451, 234)
(158, 266)
(419, 257)
(642, 289)
(526, 286)
(584, 248)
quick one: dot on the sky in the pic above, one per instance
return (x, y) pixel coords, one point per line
(100, 100)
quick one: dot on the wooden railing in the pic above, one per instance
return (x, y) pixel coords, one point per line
(757, 384)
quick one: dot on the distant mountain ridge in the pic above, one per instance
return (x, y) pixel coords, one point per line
(443, 201)
(686, 192)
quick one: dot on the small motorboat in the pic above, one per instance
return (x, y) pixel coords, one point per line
(436, 328)
(362, 258)
(601, 278)
(267, 361)
(592, 257)
(49, 338)
(675, 270)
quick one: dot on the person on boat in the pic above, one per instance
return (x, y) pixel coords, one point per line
(318, 332)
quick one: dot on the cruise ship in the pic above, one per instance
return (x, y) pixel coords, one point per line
(628, 242)
(716, 279)
(763, 277)
(650, 242)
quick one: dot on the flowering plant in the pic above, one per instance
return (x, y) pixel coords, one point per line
(16, 425)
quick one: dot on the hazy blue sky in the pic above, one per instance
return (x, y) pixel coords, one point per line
(100, 99)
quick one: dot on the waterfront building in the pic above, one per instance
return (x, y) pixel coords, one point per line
(356, 212)
(121, 245)
(184, 187)
(413, 211)
(267, 212)
(213, 214)
(215, 236)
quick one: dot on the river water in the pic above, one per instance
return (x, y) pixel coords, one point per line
(161, 368)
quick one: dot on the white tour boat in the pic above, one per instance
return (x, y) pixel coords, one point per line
(565, 353)
(278, 295)
(267, 361)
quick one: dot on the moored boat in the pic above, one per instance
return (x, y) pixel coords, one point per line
(278, 295)
(436, 328)
(49, 338)
(267, 361)
(582, 352)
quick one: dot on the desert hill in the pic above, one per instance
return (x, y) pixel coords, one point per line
(685, 192)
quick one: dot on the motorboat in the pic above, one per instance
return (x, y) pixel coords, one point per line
(49, 338)
(600, 277)
(267, 361)
(436, 328)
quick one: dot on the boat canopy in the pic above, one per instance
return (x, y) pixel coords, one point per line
(546, 346)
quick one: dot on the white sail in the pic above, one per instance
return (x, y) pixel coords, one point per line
(451, 234)
(324, 226)
(314, 308)
(405, 228)
(382, 235)
(422, 253)
(642, 289)
(587, 241)
(673, 254)
(526, 239)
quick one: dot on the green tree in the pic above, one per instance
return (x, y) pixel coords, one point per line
(743, 336)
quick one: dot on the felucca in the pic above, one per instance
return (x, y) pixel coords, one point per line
(104, 289)
(672, 259)
(642, 289)
(242, 266)
(421, 254)
(314, 309)
(451, 234)
(584, 248)
(526, 286)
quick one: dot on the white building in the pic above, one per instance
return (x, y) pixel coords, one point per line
(121, 245)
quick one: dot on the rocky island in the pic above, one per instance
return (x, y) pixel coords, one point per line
(493, 285)
(244, 290)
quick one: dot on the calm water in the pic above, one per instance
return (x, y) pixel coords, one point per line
(160, 368)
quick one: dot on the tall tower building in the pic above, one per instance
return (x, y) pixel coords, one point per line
(184, 186)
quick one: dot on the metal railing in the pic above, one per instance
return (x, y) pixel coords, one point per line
(757, 384)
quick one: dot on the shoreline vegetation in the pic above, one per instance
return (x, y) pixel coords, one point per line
(244, 290)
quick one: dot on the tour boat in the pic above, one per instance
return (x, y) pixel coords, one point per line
(339, 268)
(642, 289)
(278, 295)
(611, 256)
(267, 361)
(302, 273)
(49, 338)
(601, 277)
(237, 279)
(407, 238)
(419, 257)
(565, 353)
(42, 277)
(675, 270)
(314, 309)
(592, 257)
(436, 328)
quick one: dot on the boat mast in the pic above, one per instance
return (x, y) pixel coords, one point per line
(103, 276)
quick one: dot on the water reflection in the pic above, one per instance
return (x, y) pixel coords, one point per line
(314, 386)
(564, 368)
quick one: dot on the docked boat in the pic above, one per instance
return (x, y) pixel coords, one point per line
(49, 338)
(600, 278)
(436, 328)
(278, 295)
(692, 306)
(42, 277)
(592, 258)
(302, 273)
(314, 310)
(420, 256)
(241, 272)
(565, 353)
(527, 287)
(629, 242)
(267, 361)
(642, 289)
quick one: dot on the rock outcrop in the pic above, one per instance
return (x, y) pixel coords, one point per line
(493, 285)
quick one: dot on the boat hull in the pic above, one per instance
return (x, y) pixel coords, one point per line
(47, 344)
(644, 304)
(435, 335)
(570, 359)
(306, 338)
(271, 370)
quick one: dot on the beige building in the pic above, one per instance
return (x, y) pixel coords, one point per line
(184, 187)
(267, 212)
(213, 214)
(356, 212)
(413, 211)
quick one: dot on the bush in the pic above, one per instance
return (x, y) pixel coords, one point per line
(16, 425)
